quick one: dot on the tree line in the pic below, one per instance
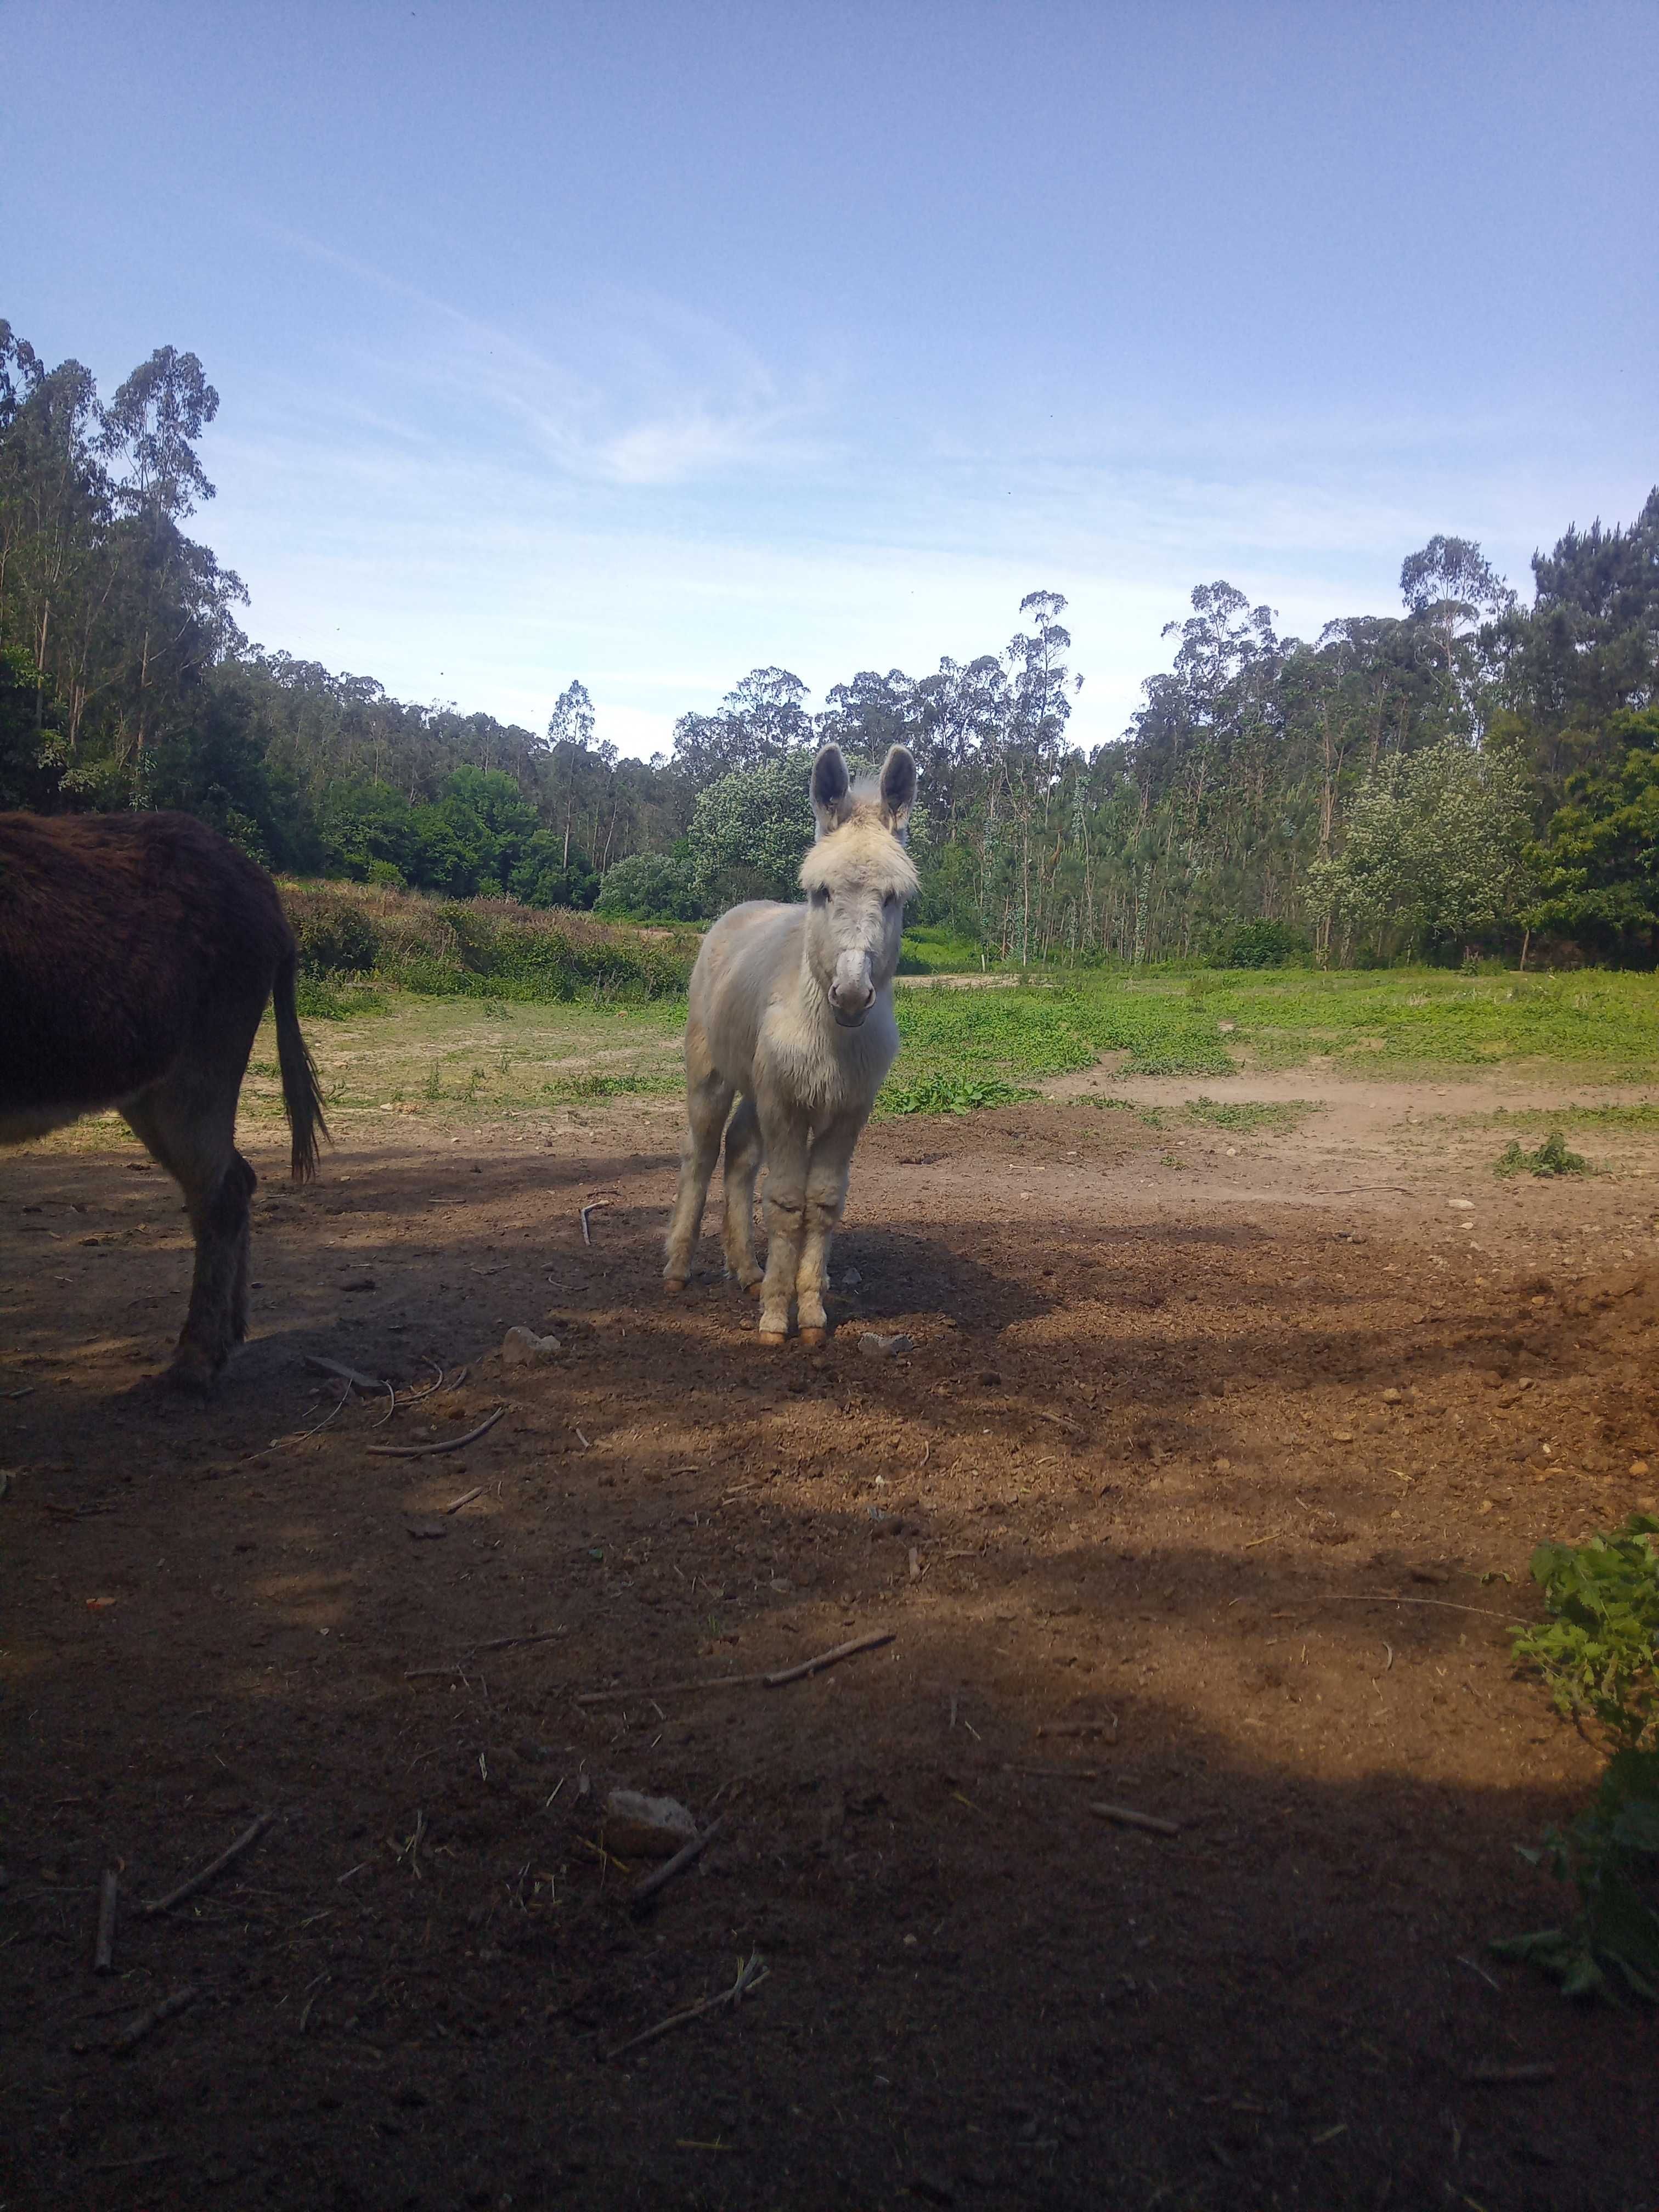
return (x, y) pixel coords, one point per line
(1456, 777)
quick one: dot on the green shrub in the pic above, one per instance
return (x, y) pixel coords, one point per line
(1551, 1159)
(1597, 1654)
(649, 887)
(1261, 945)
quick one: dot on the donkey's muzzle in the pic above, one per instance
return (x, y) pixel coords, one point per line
(851, 1021)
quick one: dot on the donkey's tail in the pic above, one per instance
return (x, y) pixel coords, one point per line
(302, 1095)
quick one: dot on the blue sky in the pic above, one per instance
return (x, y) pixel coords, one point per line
(651, 343)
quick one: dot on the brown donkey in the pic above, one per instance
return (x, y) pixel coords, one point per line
(136, 955)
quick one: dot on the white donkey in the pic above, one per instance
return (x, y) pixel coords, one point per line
(792, 1011)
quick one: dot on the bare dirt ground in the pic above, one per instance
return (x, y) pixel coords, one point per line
(1207, 1488)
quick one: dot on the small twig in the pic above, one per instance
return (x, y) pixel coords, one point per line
(136, 2030)
(391, 1405)
(871, 1643)
(370, 1385)
(103, 1949)
(415, 1397)
(249, 1837)
(1108, 1727)
(126, 2165)
(686, 1856)
(1387, 1597)
(593, 1206)
(466, 1499)
(670, 1689)
(449, 1444)
(456, 1381)
(507, 1643)
(750, 1974)
(1126, 1817)
(1059, 1773)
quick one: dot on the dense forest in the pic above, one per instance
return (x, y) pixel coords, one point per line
(1471, 774)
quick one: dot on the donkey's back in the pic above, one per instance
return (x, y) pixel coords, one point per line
(138, 953)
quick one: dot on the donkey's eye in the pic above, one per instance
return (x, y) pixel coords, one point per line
(820, 898)
(892, 899)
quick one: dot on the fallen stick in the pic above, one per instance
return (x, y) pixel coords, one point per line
(136, 2030)
(449, 1444)
(1126, 1817)
(103, 1949)
(671, 1689)
(466, 1499)
(593, 1206)
(507, 1643)
(1059, 1774)
(871, 1643)
(686, 1856)
(1387, 1597)
(126, 2165)
(750, 1974)
(367, 1383)
(249, 1837)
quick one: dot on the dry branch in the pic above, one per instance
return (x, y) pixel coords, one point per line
(103, 1949)
(670, 1689)
(832, 1658)
(449, 1444)
(249, 1837)
(750, 1974)
(371, 1385)
(466, 1499)
(1126, 1817)
(593, 1206)
(136, 2030)
(686, 1856)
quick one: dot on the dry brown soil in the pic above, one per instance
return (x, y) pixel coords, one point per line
(1207, 1489)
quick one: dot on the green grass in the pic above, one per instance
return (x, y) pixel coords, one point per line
(1391, 1024)
(1636, 1120)
(931, 950)
(1551, 1159)
(950, 1094)
(1251, 1117)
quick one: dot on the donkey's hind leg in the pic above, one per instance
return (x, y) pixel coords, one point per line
(743, 1155)
(188, 1120)
(708, 1102)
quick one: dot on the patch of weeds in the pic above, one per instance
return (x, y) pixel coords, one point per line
(1638, 1117)
(320, 998)
(434, 1088)
(950, 1094)
(1598, 1655)
(1551, 1159)
(1247, 1115)
(1173, 1160)
(632, 1084)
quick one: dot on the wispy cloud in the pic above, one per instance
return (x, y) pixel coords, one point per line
(643, 393)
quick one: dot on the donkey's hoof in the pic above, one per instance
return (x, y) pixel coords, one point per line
(813, 1336)
(192, 1373)
(753, 1290)
(674, 1284)
(775, 1336)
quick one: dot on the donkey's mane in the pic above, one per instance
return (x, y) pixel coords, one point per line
(861, 853)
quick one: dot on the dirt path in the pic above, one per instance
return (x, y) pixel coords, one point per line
(1197, 1492)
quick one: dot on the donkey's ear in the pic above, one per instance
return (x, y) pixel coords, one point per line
(898, 788)
(828, 789)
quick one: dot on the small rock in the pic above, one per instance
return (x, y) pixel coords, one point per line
(522, 1348)
(1461, 1205)
(359, 1283)
(1222, 1465)
(851, 1279)
(641, 1827)
(428, 1532)
(1341, 1436)
(1639, 1467)
(884, 1347)
(1391, 1397)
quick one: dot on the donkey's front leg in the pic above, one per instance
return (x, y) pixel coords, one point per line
(826, 1194)
(786, 1144)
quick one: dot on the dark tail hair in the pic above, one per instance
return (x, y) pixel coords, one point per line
(302, 1095)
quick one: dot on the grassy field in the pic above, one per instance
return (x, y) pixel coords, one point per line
(468, 1060)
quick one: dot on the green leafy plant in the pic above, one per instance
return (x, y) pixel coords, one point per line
(950, 1094)
(1247, 1115)
(1597, 1654)
(1551, 1159)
